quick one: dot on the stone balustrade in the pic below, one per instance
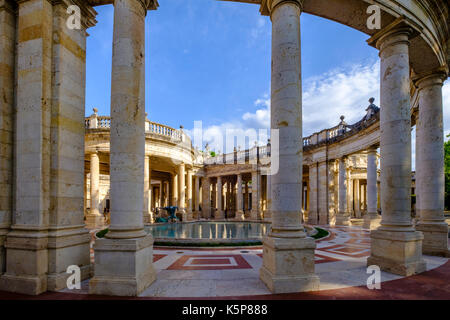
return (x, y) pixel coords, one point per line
(104, 122)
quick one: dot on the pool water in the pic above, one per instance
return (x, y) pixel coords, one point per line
(210, 230)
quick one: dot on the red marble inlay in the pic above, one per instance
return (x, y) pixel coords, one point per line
(241, 263)
(157, 257)
(210, 261)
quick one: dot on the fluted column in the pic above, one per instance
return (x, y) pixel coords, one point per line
(147, 211)
(175, 190)
(239, 199)
(256, 196)
(322, 188)
(126, 244)
(313, 213)
(343, 217)
(206, 198)
(395, 246)
(7, 57)
(268, 212)
(95, 219)
(288, 255)
(196, 197)
(182, 191)
(430, 166)
(371, 219)
(357, 199)
(189, 194)
(219, 190)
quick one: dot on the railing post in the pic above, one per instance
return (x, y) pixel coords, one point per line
(93, 122)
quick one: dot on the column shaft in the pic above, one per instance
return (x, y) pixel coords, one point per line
(239, 199)
(371, 219)
(189, 194)
(219, 194)
(430, 168)
(146, 208)
(181, 189)
(126, 244)
(256, 196)
(395, 246)
(343, 218)
(288, 255)
(313, 214)
(196, 197)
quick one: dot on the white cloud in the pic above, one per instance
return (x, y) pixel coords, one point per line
(325, 99)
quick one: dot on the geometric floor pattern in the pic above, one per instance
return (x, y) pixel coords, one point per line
(229, 273)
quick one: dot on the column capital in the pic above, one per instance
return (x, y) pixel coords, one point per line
(372, 149)
(149, 4)
(433, 78)
(392, 34)
(268, 6)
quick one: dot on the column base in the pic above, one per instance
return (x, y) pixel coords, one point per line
(288, 265)
(67, 247)
(26, 262)
(342, 219)
(148, 217)
(397, 252)
(323, 219)
(240, 216)
(435, 242)
(267, 215)
(371, 221)
(219, 214)
(255, 215)
(189, 216)
(95, 221)
(123, 267)
(196, 215)
(312, 218)
(2, 255)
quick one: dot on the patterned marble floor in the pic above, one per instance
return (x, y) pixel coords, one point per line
(340, 263)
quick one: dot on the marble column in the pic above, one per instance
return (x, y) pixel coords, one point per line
(7, 61)
(219, 193)
(256, 213)
(182, 191)
(95, 218)
(126, 244)
(343, 217)
(267, 212)
(372, 219)
(430, 168)
(350, 200)
(189, 194)
(206, 198)
(146, 211)
(174, 190)
(395, 246)
(239, 199)
(357, 199)
(288, 254)
(196, 197)
(313, 213)
(322, 193)
(161, 193)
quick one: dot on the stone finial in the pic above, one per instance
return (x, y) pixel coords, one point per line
(371, 100)
(95, 111)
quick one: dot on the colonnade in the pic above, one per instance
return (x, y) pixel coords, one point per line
(239, 196)
(43, 218)
(342, 197)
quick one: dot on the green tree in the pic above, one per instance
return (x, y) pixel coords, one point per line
(447, 173)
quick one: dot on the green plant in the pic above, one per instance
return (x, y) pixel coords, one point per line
(101, 233)
(321, 233)
(212, 153)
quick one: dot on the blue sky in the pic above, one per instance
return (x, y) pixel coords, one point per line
(210, 60)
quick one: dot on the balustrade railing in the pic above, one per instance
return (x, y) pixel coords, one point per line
(104, 122)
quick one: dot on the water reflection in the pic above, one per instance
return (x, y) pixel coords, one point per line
(210, 230)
